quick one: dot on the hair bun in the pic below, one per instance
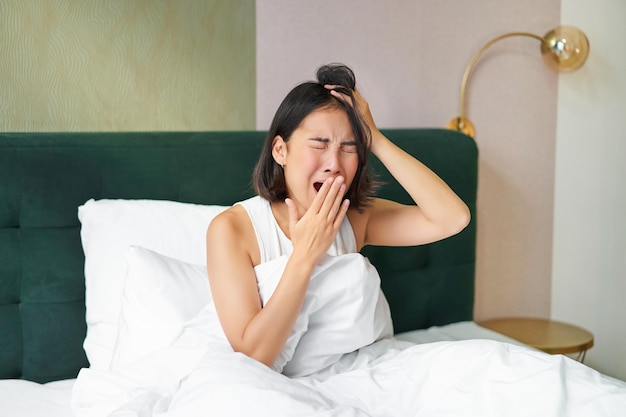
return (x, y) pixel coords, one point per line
(336, 74)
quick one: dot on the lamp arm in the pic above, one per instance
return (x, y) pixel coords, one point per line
(472, 61)
(564, 48)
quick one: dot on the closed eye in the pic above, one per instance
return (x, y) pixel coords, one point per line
(349, 147)
(318, 143)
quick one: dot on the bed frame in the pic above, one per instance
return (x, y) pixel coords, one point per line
(44, 177)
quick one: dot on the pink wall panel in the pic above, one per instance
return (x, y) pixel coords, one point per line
(409, 57)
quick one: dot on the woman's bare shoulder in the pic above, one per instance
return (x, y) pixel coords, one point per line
(231, 224)
(233, 216)
(233, 230)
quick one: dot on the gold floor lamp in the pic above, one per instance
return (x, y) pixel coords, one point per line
(564, 48)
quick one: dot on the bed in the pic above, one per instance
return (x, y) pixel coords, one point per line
(101, 270)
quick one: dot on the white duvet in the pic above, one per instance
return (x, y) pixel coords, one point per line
(341, 361)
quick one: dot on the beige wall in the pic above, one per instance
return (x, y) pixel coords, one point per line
(589, 270)
(409, 57)
(127, 65)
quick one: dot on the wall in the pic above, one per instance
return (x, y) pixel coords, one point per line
(409, 57)
(126, 65)
(589, 268)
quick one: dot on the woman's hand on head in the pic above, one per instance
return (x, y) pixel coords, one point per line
(313, 233)
(360, 101)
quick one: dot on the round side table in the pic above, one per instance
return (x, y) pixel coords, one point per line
(546, 335)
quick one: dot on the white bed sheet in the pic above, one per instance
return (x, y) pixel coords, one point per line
(464, 330)
(20, 398)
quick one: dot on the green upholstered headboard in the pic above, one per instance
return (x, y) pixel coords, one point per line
(44, 177)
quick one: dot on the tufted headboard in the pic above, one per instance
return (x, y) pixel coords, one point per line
(44, 177)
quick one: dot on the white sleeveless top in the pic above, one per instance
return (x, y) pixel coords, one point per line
(273, 243)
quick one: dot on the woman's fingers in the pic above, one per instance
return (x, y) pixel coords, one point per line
(322, 193)
(329, 206)
(314, 232)
(345, 205)
(327, 192)
(333, 201)
(329, 197)
(354, 99)
(340, 92)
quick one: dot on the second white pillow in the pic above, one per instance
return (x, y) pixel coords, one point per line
(108, 229)
(161, 295)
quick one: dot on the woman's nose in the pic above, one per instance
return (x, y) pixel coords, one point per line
(331, 162)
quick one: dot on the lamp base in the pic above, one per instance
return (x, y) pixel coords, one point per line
(462, 124)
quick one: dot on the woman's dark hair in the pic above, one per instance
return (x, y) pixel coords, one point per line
(269, 179)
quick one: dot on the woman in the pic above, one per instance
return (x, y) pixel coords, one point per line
(315, 194)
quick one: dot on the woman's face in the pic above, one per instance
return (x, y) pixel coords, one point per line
(322, 146)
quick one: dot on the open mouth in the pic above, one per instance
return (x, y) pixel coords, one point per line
(317, 186)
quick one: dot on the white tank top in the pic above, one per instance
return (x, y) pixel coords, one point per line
(273, 243)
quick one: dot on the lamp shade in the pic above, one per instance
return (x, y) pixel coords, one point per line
(565, 48)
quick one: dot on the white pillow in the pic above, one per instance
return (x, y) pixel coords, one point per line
(108, 228)
(161, 296)
(344, 309)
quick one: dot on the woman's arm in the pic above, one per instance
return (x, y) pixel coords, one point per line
(439, 212)
(261, 331)
(258, 332)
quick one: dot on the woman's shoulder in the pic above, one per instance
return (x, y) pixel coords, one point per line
(233, 231)
(232, 220)
(237, 216)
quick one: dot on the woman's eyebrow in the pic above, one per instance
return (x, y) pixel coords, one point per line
(326, 140)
